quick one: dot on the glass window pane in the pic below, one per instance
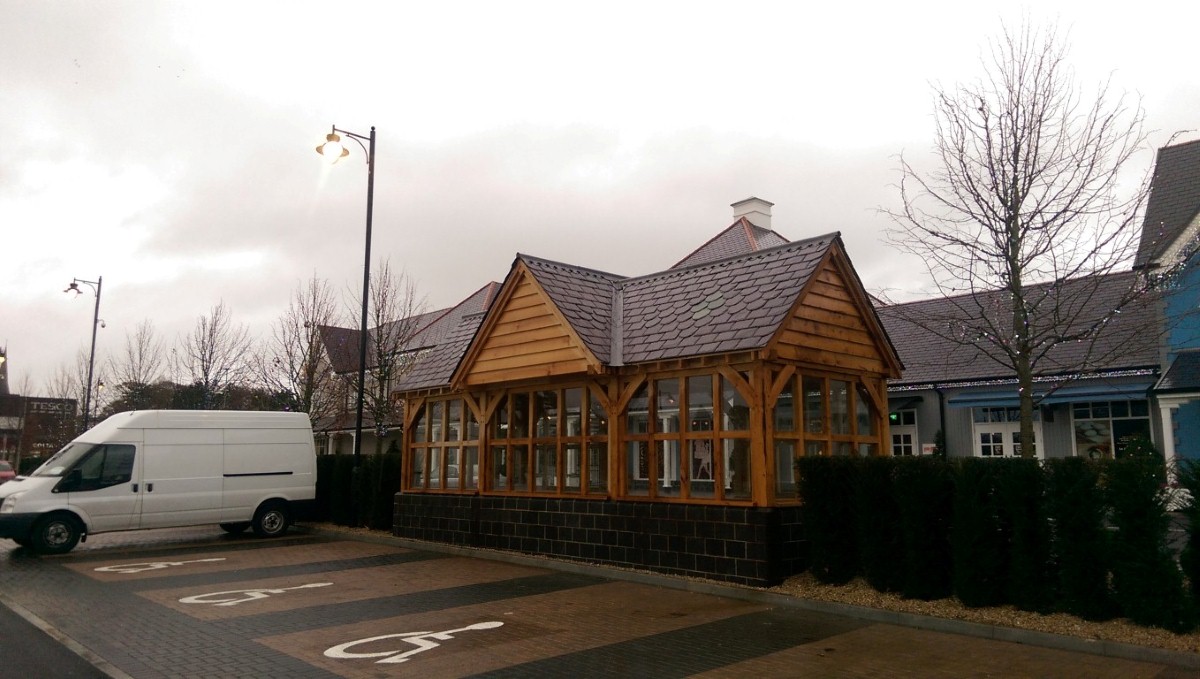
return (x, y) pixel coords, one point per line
(519, 459)
(572, 468)
(785, 409)
(452, 468)
(637, 470)
(421, 426)
(500, 468)
(435, 468)
(454, 410)
(866, 449)
(1120, 408)
(737, 469)
(700, 403)
(546, 413)
(1100, 410)
(470, 468)
(1093, 439)
(597, 418)
(573, 411)
(546, 467)
(839, 406)
(500, 420)
(520, 416)
(472, 426)
(843, 448)
(597, 472)
(735, 412)
(418, 467)
(666, 404)
(702, 467)
(814, 405)
(864, 410)
(437, 425)
(785, 469)
(638, 418)
(814, 448)
(668, 469)
(1139, 408)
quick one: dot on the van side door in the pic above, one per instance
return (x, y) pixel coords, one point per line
(104, 487)
(182, 473)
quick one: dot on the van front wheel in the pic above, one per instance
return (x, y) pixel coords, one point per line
(271, 520)
(56, 534)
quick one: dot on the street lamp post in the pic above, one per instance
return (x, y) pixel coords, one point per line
(87, 397)
(333, 151)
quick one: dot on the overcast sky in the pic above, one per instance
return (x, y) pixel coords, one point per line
(168, 147)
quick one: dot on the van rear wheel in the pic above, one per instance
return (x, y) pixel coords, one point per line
(56, 534)
(235, 528)
(271, 520)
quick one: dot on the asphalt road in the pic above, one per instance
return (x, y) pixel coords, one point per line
(27, 652)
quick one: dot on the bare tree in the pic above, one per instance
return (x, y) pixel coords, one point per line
(213, 358)
(1027, 194)
(70, 382)
(139, 366)
(395, 318)
(293, 361)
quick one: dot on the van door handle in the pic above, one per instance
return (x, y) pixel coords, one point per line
(149, 487)
(135, 487)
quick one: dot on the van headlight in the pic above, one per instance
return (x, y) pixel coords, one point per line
(10, 503)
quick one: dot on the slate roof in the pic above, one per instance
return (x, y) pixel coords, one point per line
(1174, 200)
(585, 298)
(727, 305)
(428, 330)
(927, 334)
(455, 330)
(1183, 374)
(740, 238)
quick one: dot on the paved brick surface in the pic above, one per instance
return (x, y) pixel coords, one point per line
(198, 603)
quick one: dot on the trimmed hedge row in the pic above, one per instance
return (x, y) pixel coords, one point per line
(365, 497)
(1072, 535)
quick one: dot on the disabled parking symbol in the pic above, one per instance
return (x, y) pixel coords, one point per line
(423, 641)
(233, 597)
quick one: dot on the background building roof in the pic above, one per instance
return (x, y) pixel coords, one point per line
(1174, 200)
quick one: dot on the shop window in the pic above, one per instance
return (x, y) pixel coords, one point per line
(997, 432)
(903, 430)
(1104, 429)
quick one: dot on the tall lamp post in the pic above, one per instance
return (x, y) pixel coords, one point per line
(333, 151)
(87, 398)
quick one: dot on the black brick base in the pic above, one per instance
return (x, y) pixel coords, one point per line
(747, 545)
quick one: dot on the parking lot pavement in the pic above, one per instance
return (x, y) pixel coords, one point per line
(198, 603)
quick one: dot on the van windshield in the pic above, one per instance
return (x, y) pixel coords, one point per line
(63, 460)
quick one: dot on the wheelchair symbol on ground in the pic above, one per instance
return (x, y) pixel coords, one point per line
(150, 565)
(234, 597)
(424, 641)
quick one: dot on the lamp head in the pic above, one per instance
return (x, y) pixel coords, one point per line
(332, 150)
(73, 287)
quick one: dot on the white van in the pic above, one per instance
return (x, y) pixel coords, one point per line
(165, 468)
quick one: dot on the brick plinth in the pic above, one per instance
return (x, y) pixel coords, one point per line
(747, 545)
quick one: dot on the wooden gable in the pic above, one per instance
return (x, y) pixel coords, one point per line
(832, 325)
(525, 336)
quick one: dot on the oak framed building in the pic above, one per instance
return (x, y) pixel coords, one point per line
(649, 421)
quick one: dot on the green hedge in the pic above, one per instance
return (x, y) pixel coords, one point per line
(1189, 481)
(363, 498)
(1072, 535)
(828, 485)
